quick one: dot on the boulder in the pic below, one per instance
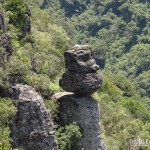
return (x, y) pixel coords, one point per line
(80, 77)
(80, 61)
(81, 84)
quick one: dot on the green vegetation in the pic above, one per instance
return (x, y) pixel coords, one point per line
(7, 110)
(16, 11)
(52, 106)
(68, 137)
(119, 32)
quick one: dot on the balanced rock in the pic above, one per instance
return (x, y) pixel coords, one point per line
(80, 61)
(27, 23)
(80, 77)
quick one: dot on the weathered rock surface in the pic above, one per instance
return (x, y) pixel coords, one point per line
(81, 84)
(5, 41)
(85, 112)
(4, 38)
(80, 77)
(80, 61)
(2, 26)
(32, 127)
(27, 24)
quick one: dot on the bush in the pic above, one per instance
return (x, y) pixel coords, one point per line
(68, 137)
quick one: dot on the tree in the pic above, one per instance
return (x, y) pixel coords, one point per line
(17, 12)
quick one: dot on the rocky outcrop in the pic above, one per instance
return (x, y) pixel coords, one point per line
(80, 77)
(85, 112)
(2, 26)
(27, 23)
(5, 41)
(32, 127)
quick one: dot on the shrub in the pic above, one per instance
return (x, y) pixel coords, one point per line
(68, 137)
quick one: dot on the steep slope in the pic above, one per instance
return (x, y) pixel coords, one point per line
(118, 31)
(32, 56)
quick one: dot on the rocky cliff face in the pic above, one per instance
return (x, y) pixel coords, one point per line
(5, 41)
(32, 127)
(27, 24)
(81, 79)
(2, 26)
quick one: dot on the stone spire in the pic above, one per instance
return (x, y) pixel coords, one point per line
(32, 127)
(80, 77)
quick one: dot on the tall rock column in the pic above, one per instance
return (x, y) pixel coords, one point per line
(82, 80)
(80, 76)
(32, 127)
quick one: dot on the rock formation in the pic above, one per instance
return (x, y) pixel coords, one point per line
(5, 41)
(80, 77)
(85, 112)
(2, 26)
(27, 23)
(32, 127)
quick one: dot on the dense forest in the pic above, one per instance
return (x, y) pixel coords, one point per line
(39, 31)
